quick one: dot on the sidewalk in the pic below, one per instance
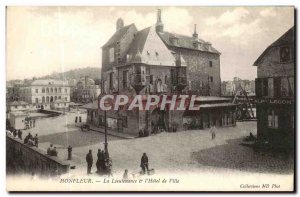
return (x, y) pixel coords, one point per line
(112, 133)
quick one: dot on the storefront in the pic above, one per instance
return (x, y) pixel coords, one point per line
(213, 111)
(275, 120)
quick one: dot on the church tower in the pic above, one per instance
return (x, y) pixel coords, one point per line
(159, 25)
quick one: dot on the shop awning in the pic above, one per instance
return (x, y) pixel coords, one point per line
(93, 105)
(216, 105)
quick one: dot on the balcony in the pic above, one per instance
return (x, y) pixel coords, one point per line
(138, 81)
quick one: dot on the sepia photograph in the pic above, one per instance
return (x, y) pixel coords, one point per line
(150, 98)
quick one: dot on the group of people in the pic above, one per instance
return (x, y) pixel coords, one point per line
(103, 162)
(15, 133)
(144, 165)
(52, 150)
(29, 123)
(30, 140)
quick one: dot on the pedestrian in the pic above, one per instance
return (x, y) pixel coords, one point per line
(125, 175)
(15, 133)
(36, 140)
(20, 134)
(50, 149)
(99, 159)
(30, 123)
(54, 152)
(89, 160)
(30, 136)
(69, 152)
(33, 122)
(213, 132)
(144, 163)
(102, 160)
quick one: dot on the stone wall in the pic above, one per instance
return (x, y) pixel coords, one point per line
(21, 158)
(199, 71)
(271, 66)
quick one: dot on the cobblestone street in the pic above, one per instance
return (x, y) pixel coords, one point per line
(191, 150)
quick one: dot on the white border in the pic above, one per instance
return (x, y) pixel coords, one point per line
(4, 3)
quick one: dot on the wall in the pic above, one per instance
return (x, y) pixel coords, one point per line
(270, 65)
(198, 70)
(21, 158)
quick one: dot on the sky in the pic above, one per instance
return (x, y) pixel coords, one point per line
(43, 40)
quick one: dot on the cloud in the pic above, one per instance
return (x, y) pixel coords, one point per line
(268, 12)
(242, 30)
(169, 18)
(228, 17)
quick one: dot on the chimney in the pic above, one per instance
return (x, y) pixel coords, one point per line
(159, 24)
(120, 24)
(195, 35)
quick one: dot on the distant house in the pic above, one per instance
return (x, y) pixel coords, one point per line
(17, 106)
(42, 93)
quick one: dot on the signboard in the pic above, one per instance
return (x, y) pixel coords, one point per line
(274, 101)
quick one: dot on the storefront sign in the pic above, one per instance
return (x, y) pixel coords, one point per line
(274, 101)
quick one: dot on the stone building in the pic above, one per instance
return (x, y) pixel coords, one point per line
(275, 91)
(85, 91)
(152, 61)
(41, 93)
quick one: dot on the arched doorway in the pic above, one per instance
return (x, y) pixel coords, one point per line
(158, 120)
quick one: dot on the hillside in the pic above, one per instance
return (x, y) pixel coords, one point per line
(92, 72)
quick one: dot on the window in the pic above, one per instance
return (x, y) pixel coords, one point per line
(36, 100)
(210, 64)
(125, 79)
(51, 90)
(265, 87)
(211, 79)
(270, 87)
(166, 79)
(55, 90)
(36, 90)
(151, 79)
(285, 54)
(291, 86)
(284, 87)
(47, 90)
(66, 98)
(111, 81)
(277, 87)
(43, 90)
(111, 55)
(272, 119)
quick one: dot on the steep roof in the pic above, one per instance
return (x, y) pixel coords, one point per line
(286, 38)
(184, 42)
(118, 35)
(148, 48)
